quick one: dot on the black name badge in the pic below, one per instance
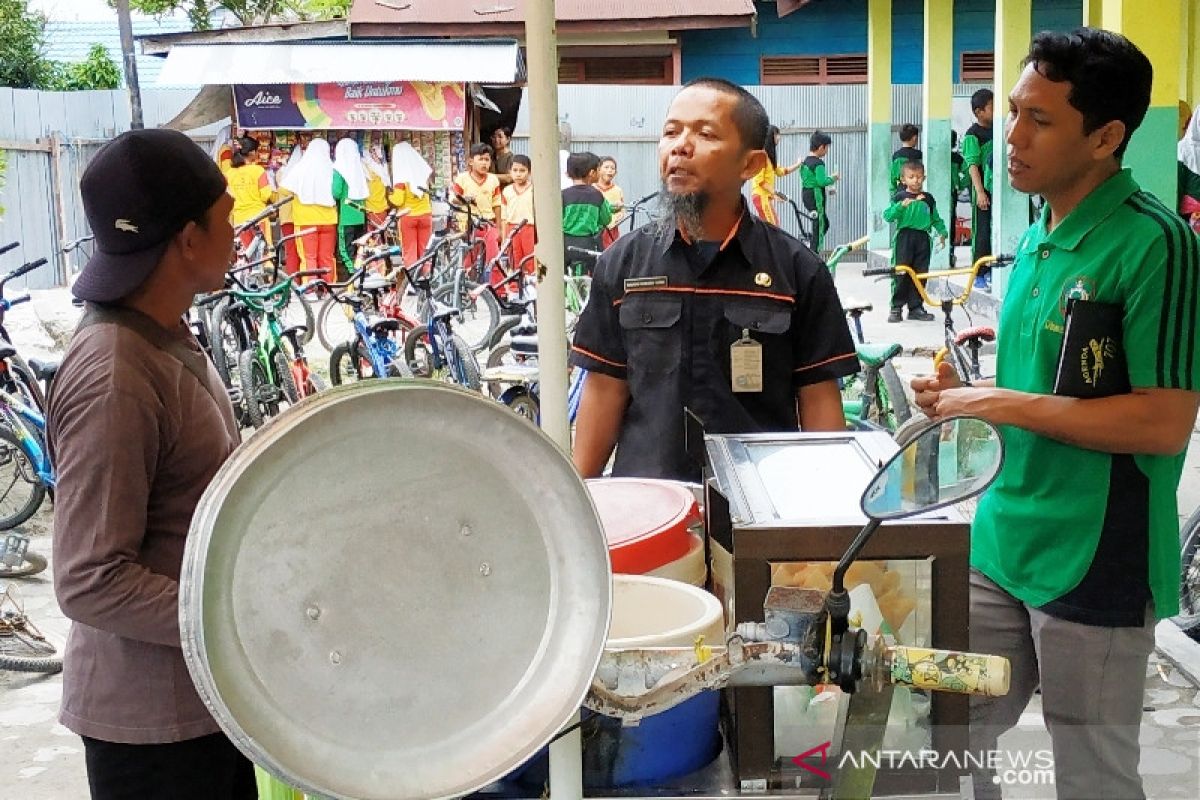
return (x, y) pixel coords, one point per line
(656, 282)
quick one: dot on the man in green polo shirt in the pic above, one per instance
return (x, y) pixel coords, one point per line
(1074, 550)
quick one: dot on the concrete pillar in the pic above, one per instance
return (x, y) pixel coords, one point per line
(1010, 208)
(1189, 30)
(935, 109)
(1153, 25)
(879, 119)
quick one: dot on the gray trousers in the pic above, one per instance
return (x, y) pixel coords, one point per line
(1093, 680)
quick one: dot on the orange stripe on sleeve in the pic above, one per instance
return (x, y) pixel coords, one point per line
(601, 359)
(826, 361)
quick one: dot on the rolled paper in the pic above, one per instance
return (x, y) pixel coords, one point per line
(947, 670)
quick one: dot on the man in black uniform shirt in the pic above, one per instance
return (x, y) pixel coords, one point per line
(719, 312)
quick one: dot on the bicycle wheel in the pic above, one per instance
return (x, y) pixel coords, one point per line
(50, 665)
(345, 363)
(889, 406)
(418, 353)
(469, 377)
(480, 314)
(335, 324)
(32, 564)
(21, 492)
(260, 396)
(297, 310)
(226, 342)
(525, 407)
(287, 381)
(1189, 576)
(499, 356)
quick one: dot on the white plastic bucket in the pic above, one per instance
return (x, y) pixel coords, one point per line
(690, 569)
(658, 612)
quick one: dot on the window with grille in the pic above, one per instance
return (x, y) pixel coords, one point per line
(976, 66)
(850, 68)
(642, 69)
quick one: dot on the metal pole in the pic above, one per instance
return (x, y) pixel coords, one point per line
(541, 52)
(541, 49)
(130, 61)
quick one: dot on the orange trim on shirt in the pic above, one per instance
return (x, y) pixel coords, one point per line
(601, 359)
(826, 361)
(728, 237)
(697, 290)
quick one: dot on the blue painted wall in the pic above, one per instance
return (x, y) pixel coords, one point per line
(833, 27)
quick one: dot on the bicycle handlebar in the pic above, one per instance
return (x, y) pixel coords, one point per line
(583, 251)
(873, 271)
(8, 247)
(16, 301)
(22, 270)
(72, 245)
(269, 211)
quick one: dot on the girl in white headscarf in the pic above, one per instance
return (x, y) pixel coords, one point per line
(378, 183)
(311, 180)
(410, 193)
(350, 190)
(287, 223)
(1189, 173)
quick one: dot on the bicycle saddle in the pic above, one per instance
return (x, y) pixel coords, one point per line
(380, 324)
(876, 355)
(525, 345)
(981, 332)
(373, 283)
(857, 307)
(43, 370)
(7, 351)
(294, 330)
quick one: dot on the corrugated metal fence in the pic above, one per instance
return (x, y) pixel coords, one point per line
(624, 122)
(49, 137)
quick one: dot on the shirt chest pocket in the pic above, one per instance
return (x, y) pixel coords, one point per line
(653, 331)
(766, 323)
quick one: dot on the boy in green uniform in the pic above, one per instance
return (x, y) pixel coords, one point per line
(959, 180)
(1075, 549)
(814, 182)
(585, 211)
(914, 214)
(977, 155)
(909, 136)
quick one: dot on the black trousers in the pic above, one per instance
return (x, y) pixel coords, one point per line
(912, 249)
(981, 236)
(586, 264)
(207, 768)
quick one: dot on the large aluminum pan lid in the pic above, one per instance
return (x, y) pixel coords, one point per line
(395, 590)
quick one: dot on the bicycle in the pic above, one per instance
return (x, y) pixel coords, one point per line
(16, 375)
(631, 211)
(962, 348)
(23, 648)
(372, 351)
(274, 362)
(1189, 577)
(433, 349)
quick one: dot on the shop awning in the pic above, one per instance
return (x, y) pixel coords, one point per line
(496, 61)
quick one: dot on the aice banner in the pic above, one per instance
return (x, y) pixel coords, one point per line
(409, 105)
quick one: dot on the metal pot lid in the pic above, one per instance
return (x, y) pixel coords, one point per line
(394, 590)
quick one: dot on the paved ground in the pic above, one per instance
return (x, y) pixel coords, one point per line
(43, 761)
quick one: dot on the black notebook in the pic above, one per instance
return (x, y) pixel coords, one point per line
(1092, 361)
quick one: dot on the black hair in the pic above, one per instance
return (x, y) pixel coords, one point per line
(507, 131)
(523, 160)
(238, 159)
(580, 164)
(819, 139)
(980, 99)
(1110, 77)
(770, 147)
(480, 149)
(908, 132)
(912, 166)
(749, 116)
(953, 138)
(607, 158)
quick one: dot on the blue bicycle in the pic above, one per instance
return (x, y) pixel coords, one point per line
(374, 351)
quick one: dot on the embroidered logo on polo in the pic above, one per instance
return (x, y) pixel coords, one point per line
(1081, 287)
(654, 282)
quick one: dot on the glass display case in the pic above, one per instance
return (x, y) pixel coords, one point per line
(780, 510)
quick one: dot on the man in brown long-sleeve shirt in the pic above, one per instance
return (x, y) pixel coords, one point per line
(139, 423)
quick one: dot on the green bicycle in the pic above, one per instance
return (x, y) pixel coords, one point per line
(273, 367)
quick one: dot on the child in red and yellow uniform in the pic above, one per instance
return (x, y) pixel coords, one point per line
(251, 190)
(516, 204)
(481, 189)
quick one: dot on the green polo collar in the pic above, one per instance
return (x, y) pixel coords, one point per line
(1095, 208)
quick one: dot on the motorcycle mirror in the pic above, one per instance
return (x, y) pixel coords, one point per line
(948, 461)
